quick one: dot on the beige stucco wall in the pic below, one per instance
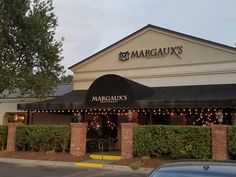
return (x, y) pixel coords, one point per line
(201, 62)
(10, 106)
(7, 107)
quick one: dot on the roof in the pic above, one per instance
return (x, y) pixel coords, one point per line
(60, 90)
(63, 89)
(159, 29)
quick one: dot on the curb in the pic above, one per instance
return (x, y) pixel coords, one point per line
(127, 168)
(72, 164)
(37, 162)
(104, 157)
(92, 165)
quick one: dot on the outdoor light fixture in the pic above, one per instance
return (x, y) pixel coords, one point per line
(16, 117)
(219, 116)
(77, 117)
(130, 115)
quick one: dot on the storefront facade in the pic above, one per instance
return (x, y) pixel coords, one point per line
(170, 62)
(153, 76)
(158, 57)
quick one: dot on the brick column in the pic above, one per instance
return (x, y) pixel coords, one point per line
(11, 135)
(234, 118)
(78, 139)
(219, 142)
(127, 140)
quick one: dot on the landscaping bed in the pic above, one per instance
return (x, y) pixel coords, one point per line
(145, 162)
(51, 156)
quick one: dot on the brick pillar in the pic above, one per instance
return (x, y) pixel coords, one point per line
(78, 139)
(127, 140)
(234, 118)
(11, 134)
(219, 142)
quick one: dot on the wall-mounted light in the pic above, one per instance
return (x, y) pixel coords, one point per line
(219, 116)
(130, 115)
(15, 117)
(77, 117)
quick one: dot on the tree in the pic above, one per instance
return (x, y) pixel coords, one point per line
(66, 79)
(29, 54)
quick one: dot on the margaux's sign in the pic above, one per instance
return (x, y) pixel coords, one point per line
(152, 53)
(109, 99)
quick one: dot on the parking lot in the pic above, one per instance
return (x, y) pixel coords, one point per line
(29, 170)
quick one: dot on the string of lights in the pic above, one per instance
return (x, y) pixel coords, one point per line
(199, 116)
(158, 111)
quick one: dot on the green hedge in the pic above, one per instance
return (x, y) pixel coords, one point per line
(43, 138)
(232, 140)
(3, 137)
(173, 141)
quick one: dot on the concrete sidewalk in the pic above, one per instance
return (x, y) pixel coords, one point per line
(70, 164)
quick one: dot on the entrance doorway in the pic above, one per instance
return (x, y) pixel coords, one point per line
(102, 135)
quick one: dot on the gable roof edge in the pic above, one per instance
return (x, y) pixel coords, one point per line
(110, 46)
(160, 29)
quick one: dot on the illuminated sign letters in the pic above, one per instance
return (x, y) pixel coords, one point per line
(151, 53)
(109, 99)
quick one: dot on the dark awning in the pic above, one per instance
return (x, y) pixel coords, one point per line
(222, 95)
(116, 91)
(120, 93)
(72, 100)
(108, 91)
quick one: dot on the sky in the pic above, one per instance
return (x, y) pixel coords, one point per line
(89, 26)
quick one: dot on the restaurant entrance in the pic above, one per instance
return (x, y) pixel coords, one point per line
(102, 135)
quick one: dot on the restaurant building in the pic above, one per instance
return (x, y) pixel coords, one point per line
(153, 76)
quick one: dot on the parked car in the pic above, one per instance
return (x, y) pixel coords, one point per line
(195, 169)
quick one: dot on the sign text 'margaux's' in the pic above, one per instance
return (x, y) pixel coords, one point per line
(109, 99)
(152, 53)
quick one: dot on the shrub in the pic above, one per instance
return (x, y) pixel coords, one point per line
(232, 140)
(43, 138)
(3, 137)
(173, 141)
(136, 165)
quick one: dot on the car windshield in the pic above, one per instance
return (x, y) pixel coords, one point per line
(188, 174)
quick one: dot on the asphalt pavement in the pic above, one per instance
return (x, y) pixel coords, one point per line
(38, 168)
(23, 169)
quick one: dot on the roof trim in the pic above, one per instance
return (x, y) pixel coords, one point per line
(160, 29)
